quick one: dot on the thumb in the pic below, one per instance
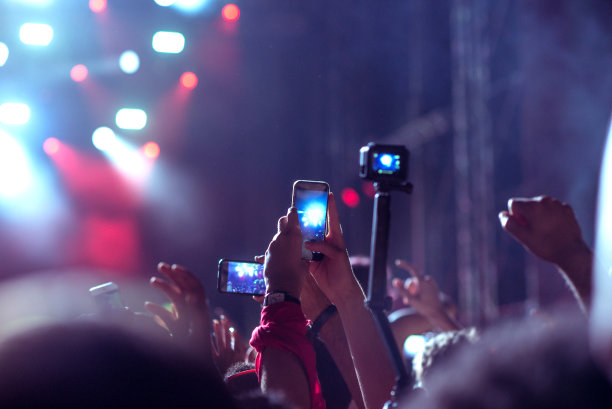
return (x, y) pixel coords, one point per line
(322, 247)
(513, 226)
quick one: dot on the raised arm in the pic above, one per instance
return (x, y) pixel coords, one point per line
(286, 362)
(548, 228)
(335, 277)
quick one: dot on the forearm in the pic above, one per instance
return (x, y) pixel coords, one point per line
(332, 334)
(282, 372)
(442, 320)
(372, 363)
(577, 270)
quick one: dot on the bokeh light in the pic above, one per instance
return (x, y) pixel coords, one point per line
(350, 197)
(189, 80)
(168, 42)
(230, 12)
(104, 138)
(131, 118)
(97, 6)
(151, 150)
(4, 53)
(36, 34)
(129, 62)
(14, 113)
(79, 73)
(51, 146)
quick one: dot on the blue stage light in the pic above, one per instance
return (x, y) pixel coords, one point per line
(129, 62)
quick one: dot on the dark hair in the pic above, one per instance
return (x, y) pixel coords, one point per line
(90, 365)
(522, 365)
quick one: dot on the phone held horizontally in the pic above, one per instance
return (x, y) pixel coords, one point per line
(240, 277)
(310, 199)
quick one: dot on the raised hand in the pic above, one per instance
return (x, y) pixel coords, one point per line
(189, 320)
(284, 269)
(544, 226)
(548, 228)
(333, 274)
(230, 347)
(422, 293)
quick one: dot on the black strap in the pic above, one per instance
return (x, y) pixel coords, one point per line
(327, 313)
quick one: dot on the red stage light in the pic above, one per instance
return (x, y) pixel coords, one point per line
(151, 150)
(97, 6)
(350, 197)
(368, 189)
(189, 80)
(51, 146)
(79, 73)
(230, 12)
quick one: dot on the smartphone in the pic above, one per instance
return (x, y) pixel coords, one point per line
(107, 297)
(310, 199)
(240, 277)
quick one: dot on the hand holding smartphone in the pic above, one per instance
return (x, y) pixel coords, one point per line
(310, 199)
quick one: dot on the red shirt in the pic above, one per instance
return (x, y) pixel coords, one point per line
(283, 326)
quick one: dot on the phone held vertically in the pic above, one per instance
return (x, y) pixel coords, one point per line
(240, 277)
(310, 199)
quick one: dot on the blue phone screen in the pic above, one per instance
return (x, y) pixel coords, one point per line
(312, 211)
(246, 278)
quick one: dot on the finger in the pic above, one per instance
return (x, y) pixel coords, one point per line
(260, 259)
(227, 334)
(512, 225)
(404, 265)
(332, 213)
(172, 291)
(293, 221)
(259, 298)
(397, 283)
(521, 209)
(411, 285)
(187, 281)
(218, 335)
(325, 248)
(163, 314)
(282, 223)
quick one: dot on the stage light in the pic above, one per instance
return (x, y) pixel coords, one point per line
(151, 150)
(36, 34)
(168, 42)
(15, 175)
(4, 53)
(104, 138)
(131, 118)
(350, 197)
(230, 12)
(165, 3)
(78, 73)
(51, 146)
(129, 62)
(189, 80)
(14, 113)
(97, 6)
(190, 6)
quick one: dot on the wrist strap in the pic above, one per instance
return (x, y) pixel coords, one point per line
(279, 296)
(327, 313)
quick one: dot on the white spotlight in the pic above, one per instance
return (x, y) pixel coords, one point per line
(130, 118)
(15, 175)
(129, 62)
(14, 113)
(4, 53)
(104, 138)
(36, 34)
(168, 42)
(165, 3)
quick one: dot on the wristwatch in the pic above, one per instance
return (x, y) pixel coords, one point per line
(279, 296)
